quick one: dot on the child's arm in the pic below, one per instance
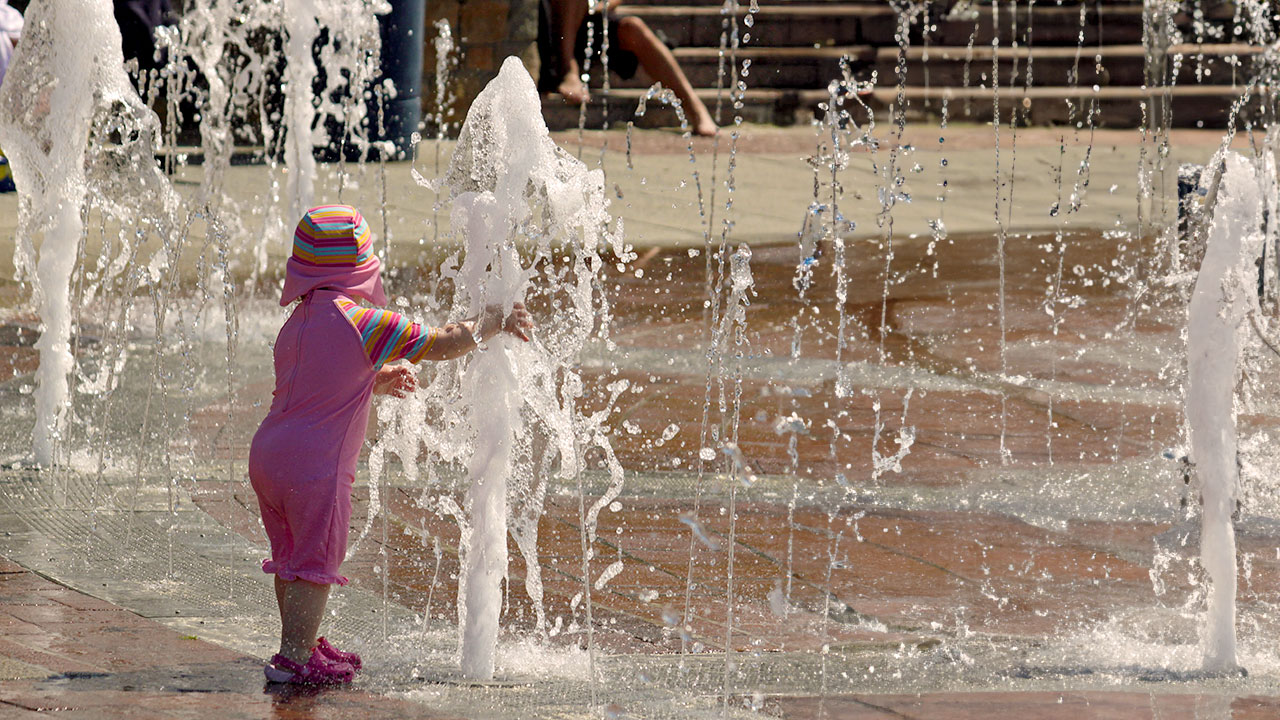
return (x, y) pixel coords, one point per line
(459, 338)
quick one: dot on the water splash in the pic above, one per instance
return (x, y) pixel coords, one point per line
(346, 33)
(1221, 300)
(76, 134)
(511, 187)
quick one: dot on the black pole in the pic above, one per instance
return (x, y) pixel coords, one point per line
(403, 36)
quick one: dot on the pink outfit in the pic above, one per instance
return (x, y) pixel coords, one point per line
(302, 461)
(10, 33)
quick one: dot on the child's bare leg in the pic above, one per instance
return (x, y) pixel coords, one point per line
(280, 588)
(568, 16)
(636, 37)
(302, 606)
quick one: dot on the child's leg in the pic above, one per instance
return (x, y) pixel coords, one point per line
(280, 587)
(302, 606)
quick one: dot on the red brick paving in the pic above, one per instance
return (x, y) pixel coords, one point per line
(906, 569)
(1089, 705)
(910, 569)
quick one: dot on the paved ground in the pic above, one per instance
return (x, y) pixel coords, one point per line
(654, 192)
(70, 655)
(1007, 568)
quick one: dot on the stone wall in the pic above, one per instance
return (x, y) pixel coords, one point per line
(485, 33)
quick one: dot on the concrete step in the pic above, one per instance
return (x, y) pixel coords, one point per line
(1192, 105)
(1045, 24)
(765, 106)
(765, 67)
(863, 7)
(796, 25)
(835, 23)
(809, 68)
(1111, 65)
(1117, 107)
(1069, 23)
(796, 48)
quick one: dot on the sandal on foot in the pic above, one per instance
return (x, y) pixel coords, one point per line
(337, 655)
(319, 670)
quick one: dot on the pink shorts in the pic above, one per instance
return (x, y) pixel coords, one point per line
(306, 520)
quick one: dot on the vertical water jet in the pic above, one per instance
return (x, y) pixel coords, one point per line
(514, 191)
(73, 127)
(1221, 301)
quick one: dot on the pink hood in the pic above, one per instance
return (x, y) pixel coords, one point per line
(333, 248)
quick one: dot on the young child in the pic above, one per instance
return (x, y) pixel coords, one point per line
(330, 357)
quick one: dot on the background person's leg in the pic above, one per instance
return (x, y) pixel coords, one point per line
(567, 17)
(657, 60)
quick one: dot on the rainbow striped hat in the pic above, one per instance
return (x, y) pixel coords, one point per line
(333, 248)
(333, 236)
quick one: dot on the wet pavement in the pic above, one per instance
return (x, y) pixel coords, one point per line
(968, 510)
(1030, 706)
(70, 655)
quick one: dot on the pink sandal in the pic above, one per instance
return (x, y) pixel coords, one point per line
(337, 655)
(319, 670)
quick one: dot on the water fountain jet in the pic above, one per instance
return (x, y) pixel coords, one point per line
(1224, 296)
(511, 186)
(73, 127)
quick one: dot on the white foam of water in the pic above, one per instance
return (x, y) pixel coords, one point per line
(73, 125)
(533, 220)
(1259, 473)
(349, 57)
(1149, 640)
(1219, 304)
(532, 657)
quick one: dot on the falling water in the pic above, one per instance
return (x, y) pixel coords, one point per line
(446, 63)
(520, 401)
(1222, 299)
(350, 31)
(73, 130)
(714, 283)
(300, 24)
(735, 327)
(1002, 235)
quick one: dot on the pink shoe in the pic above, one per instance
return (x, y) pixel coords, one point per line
(337, 655)
(319, 670)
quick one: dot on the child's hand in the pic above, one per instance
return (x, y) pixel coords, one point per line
(518, 322)
(395, 380)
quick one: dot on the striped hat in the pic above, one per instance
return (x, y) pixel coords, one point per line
(333, 236)
(333, 248)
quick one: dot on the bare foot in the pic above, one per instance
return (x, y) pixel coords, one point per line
(572, 89)
(704, 127)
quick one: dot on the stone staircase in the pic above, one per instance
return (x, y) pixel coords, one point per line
(1056, 62)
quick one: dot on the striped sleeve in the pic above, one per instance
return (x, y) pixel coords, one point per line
(387, 335)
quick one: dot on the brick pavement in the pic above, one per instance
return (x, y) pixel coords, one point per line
(68, 655)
